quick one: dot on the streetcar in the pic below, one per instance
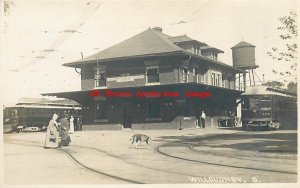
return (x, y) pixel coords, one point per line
(35, 116)
(268, 108)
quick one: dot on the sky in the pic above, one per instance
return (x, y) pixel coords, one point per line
(38, 36)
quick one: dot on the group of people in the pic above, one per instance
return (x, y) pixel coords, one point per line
(58, 131)
(200, 120)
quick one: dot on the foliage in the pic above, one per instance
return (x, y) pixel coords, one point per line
(274, 84)
(288, 54)
(292, 87)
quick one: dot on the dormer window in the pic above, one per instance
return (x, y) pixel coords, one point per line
(215, 56)
(197, 50)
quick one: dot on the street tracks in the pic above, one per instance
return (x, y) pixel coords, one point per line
(158, 149)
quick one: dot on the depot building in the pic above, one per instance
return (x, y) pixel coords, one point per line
(153, 81)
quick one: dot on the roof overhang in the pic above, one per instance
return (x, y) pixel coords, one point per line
(208, 60)
(190, 41)
(79, 64)
(212, 49)
(85, 96)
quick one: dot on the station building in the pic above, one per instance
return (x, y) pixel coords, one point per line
(154, 81)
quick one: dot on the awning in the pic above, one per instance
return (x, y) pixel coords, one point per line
(216, 93)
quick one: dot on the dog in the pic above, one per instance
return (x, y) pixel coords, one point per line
(139, 138)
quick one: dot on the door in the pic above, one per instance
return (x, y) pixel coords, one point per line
(126, 115)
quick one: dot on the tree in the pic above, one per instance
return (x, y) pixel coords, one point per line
(292, 87)
(274, 84)
(288, 53)
(7, 7)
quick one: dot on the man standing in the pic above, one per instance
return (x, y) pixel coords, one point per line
(203, 117)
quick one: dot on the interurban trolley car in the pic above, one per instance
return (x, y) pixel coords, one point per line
(27, 117)
(267, 108)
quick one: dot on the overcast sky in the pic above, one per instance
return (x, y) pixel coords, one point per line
(33, 26)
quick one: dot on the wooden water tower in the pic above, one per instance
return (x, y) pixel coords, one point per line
(243, 57)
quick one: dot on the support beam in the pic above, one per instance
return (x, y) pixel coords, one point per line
(244, 80)
(250, 78)
(253, 77)
(239, 82)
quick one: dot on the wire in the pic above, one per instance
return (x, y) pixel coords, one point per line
(83, 17)
(257, 76)
(184, 21)
(195, 12)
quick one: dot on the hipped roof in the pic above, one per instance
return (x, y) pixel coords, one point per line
(151, 42)
(145, 43)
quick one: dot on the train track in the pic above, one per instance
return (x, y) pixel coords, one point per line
(78, 162)
(191, 147)
(157, 149)
(82, 165)
(97, 171)
(132, 163)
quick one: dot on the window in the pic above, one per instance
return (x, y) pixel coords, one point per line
(100, 78)
(256, 102)
(185, 75)
(152, 75)
(197, 50)
(202, 78)
(216, 79)
(215, 56)
(223, 83)
(153, 108)
(213, 76)
(101, 112)
(195, 74)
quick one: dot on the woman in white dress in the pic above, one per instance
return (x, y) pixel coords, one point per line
(52, 135)
(71, 125)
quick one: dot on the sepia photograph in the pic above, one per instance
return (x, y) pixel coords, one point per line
(174, 93)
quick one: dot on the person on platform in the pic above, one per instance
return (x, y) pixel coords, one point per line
(79, 125)
(75, 124)
(64, 131)
(52, 134)
(71, 131)
(203, 117)
(198, 124)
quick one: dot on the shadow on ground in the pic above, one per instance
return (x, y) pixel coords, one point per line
(265, 141)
